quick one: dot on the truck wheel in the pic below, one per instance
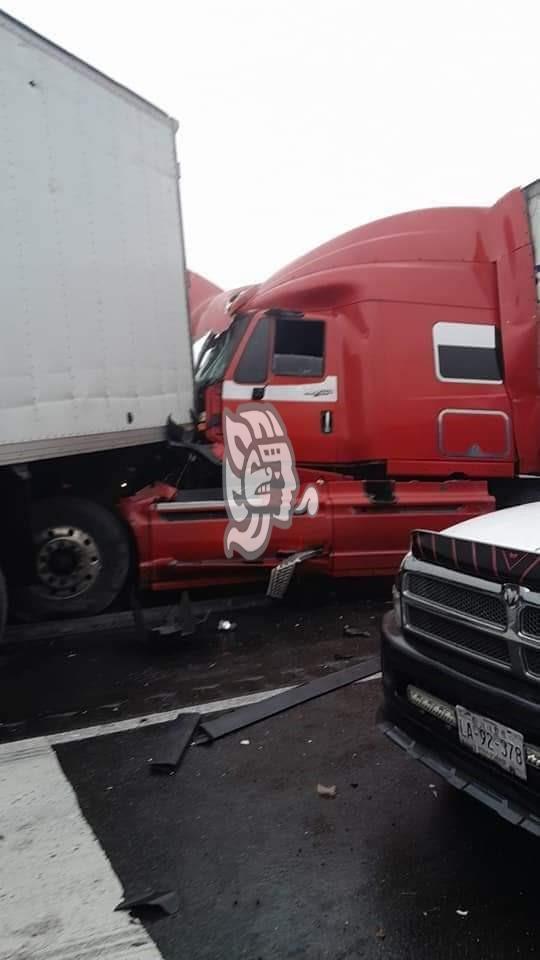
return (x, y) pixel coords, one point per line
(82, 558)
(3, 605)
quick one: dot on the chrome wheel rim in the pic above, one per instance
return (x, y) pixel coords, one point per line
(68, 562)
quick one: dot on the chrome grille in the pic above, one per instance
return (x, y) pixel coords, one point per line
(458, 635)
(530, 622)
(471, 603)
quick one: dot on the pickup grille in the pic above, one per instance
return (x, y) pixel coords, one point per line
(471, 603)
(532, 658)
(530, 622)
(484, 645)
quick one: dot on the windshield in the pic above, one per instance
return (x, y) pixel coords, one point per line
(199, 346)
(215, 355)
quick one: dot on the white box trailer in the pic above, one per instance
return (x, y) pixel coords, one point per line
(95, 349)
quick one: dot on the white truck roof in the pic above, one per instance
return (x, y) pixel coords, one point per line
(96, 349)
(517, 528)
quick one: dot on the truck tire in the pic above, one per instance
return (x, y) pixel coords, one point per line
(3, 606)
(82, 560)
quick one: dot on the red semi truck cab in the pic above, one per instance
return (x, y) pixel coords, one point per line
(407, 348)
(403, 360)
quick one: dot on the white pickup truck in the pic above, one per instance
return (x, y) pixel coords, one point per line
(461, 659)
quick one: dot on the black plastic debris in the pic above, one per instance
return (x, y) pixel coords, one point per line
(355, 631)
(344, 656)
(245, 716)
(174, 742)
(181, 620)
(150, 901)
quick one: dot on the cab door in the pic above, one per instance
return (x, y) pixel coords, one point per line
(292, 361)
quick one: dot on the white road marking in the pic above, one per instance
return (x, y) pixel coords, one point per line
(58, 890)
(150, 719)
(372, 676)
(57, 887)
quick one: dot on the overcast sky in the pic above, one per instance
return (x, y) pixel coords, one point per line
(300, 119)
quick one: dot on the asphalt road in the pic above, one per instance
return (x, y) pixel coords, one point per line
(395, 866)
(80, 680)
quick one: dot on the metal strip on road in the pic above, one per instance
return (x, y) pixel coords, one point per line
(58, 890)
(172, 746)
(246, 716)
(150, 719)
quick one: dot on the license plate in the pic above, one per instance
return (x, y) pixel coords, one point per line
(492, 740)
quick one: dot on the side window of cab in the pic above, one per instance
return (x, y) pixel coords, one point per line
(282, 345)
(298, 347)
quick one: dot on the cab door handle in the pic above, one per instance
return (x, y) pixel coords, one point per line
(326, 421)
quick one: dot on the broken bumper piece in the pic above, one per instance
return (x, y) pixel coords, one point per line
(245, 716)
(506, 809)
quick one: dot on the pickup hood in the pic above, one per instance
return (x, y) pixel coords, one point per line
(516, 527)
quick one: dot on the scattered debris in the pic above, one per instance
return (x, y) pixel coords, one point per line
(380, 934)
(462, 913)
(355, 631)
(226, 625)
(164, 900)
(434, 790)
(354, 785)
(62, 716)
(326, 791)
(245, 743)
(176, 737)
(180, 620)
(245, 716)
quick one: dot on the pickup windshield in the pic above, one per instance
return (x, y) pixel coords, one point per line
(218, 350)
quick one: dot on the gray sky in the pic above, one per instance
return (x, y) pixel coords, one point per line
(300, 119)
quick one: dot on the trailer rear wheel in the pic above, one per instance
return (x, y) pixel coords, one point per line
(82, 559)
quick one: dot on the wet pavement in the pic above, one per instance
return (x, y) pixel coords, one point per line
(397, 865)
(75, 681)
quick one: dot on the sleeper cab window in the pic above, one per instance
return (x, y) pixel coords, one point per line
(298, 348)
(467, 353)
